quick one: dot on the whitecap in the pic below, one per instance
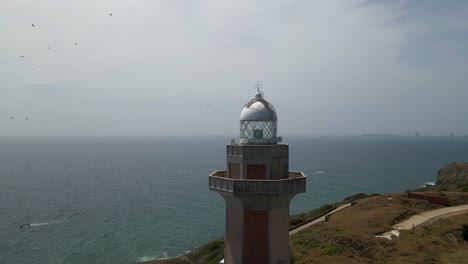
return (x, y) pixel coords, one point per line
(146, 258)
(319, 172)
(44, 223)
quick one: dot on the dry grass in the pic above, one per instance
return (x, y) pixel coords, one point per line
(349, 236)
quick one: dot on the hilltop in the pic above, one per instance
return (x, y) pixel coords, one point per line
(453, 177)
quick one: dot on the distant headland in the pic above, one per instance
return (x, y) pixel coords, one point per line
(380, 135)
(417, 134)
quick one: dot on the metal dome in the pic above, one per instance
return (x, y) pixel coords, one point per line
(258, 122)
(258, 109)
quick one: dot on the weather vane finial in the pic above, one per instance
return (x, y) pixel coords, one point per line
(258, 86)
(259, 94)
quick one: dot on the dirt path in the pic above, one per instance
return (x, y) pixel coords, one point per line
(413, 221)
(318, 220)
(420, 218)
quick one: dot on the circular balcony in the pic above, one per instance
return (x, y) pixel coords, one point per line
(294, 184)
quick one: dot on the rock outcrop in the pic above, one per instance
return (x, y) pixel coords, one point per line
(453, 177)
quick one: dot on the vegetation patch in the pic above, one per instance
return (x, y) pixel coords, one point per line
(308, 244)
(426, 230)
(329, 249)
(356, 196)
(297, 219)
(402, 216)
(322, 209)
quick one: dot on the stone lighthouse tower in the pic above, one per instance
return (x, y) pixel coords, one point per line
(257, 188)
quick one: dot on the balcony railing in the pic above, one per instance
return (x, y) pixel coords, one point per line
(295, 183)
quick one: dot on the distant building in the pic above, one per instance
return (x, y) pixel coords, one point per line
(257, 188)
(452, 135)
(416, 134)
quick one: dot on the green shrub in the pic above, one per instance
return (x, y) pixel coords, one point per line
(426, 230)
(322, 209)
(329, 249)
(296, 220)
(356, 196)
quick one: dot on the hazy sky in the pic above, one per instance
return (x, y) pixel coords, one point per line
(188, 67)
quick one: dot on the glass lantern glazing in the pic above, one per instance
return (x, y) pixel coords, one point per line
(258, 122)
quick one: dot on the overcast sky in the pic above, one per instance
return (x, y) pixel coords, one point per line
(188, 67)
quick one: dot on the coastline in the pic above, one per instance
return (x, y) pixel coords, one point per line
(379, 211)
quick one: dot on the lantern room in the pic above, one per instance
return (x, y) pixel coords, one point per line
(258, 122)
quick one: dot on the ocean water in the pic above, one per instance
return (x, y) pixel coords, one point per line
(123, 200)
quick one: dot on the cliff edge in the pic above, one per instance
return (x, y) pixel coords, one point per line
(453, 177)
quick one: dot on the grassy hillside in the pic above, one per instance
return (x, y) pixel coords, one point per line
(349, 236)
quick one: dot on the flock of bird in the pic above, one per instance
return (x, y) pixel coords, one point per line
(34, 26)
(22, 56)
(76, 44)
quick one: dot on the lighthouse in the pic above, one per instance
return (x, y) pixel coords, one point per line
(257, 188)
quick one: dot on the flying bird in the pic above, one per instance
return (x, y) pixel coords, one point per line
(76, 43)
(48, 47)
(33, 69)
(110, 14)
(208, 104)
(26, 118)
(22, 56)
(33, 25)
(12, 117)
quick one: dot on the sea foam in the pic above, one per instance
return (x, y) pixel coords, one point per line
(44, 223)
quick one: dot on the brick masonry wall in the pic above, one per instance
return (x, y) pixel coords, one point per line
(433, 199)
(255, 237)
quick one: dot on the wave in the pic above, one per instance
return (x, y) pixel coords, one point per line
(146, 258)
(319, 172)
(45, 223)
(427, 184)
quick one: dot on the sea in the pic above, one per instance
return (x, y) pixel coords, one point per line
(131, 199)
